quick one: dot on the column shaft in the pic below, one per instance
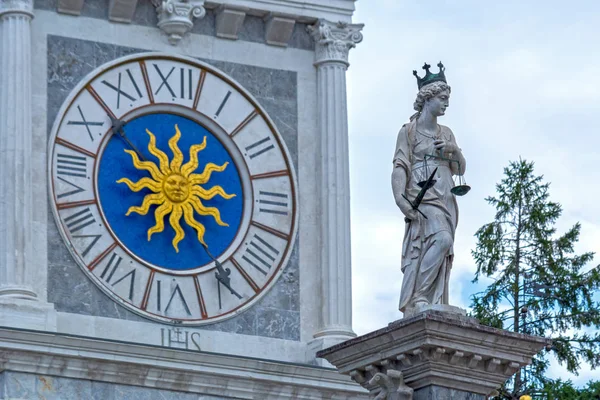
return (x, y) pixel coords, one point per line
(15, 148)
(333, 42)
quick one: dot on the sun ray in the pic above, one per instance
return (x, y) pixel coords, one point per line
(210, 193)
(188, 215)
(202, 210)
(177, 191)
(162, 157)
(144, 183)
(151, 199)
(177, 154)
(145, 165)
(191, 165)
(159, 216)
(174, 221)
(199, 179)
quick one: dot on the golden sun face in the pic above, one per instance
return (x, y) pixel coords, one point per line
(175, 188)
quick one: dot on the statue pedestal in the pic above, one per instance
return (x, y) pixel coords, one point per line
(434, 355)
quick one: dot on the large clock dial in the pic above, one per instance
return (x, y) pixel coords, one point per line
(172, 188)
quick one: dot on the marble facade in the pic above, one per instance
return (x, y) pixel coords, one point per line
(274, 56)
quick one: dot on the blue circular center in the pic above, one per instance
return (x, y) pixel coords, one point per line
(117, 198)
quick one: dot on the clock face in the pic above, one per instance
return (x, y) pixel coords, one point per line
(172, 189)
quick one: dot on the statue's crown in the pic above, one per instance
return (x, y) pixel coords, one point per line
(429, 77)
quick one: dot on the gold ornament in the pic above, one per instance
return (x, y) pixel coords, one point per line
(175, 188)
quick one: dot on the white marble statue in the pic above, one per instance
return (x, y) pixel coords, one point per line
(422, 146)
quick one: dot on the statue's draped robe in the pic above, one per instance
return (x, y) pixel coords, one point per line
(422, 282)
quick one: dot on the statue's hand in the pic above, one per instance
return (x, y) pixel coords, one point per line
(445, 147)
(409, 213)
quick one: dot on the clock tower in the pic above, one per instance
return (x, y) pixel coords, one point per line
(174, 198)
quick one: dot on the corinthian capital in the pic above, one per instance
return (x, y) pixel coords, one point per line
(16, 6)
(334, 40)
(176, 17)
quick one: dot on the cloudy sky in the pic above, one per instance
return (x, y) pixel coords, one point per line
(525, 80)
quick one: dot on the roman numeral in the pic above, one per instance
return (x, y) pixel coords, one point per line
(111, 267)
(91, 245)
(273, 203)
(80, 220)
(260, 254)
(183, 82)
(259, 147)
(223, 103)
(177, 290)
(121, 92)
(71, 165)
(131, 276)
(85, 123)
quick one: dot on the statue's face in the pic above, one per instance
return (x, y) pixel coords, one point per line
(437, 105)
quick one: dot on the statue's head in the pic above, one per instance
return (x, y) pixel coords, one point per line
(434, 98)
(434, 92)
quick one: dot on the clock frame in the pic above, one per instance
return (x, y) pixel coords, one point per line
(150, 84)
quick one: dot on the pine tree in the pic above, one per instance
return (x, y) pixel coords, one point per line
(540, 286)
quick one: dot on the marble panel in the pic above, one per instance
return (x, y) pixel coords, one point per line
(442, 393)
(301, 38)
(50, 5)
(253, 29)
(145, 14)
(17, 385)
(207, 25)
(277, 314)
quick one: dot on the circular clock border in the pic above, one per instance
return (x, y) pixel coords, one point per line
(61, 114)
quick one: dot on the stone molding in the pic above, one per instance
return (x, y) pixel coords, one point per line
(334, 40)
(278, 30)
(438, 349)
(176, 17)
(162, 368)
(16, 6)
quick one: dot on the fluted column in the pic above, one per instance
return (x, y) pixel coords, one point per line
(333, 43)
(15, 148)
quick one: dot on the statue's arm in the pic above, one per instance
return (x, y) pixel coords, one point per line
(400, 173)
(458, 155)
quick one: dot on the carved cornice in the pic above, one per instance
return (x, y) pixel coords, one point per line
(16, 7)
(334, 40)
(176, 17)
(434, 348)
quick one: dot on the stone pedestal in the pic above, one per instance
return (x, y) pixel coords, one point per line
(434, 355)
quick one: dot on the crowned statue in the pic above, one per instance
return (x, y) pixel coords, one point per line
(426, 160)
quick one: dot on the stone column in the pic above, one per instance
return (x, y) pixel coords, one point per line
(19, 303)
(15, 148)
(333, 42)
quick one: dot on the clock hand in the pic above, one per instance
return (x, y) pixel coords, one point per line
(117, 128)
(222, 274)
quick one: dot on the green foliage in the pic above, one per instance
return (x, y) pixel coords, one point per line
(540, 286)
(555, 390)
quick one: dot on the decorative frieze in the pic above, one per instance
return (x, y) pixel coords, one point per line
(176, 17)
(229, 21)
(72, 7)
(121, 10)
(279, 30)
